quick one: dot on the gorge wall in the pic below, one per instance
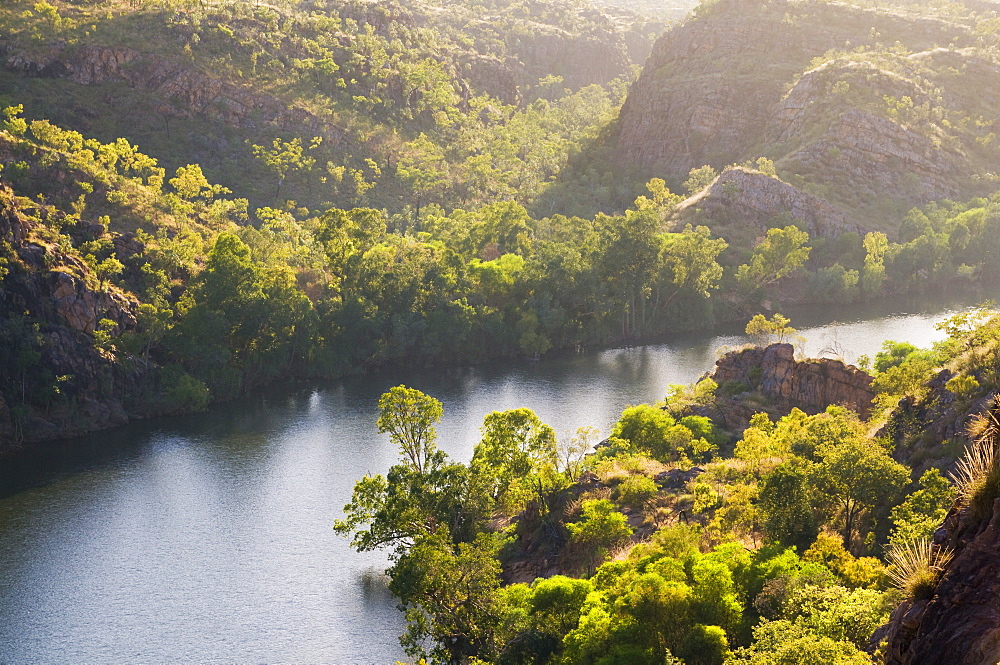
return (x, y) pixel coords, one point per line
(816, 88)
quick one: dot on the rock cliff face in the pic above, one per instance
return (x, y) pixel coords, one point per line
(785, 383)
(713, 86)
(181, 92)
(739, 81)
(750, 197)
(55, 295)
(960, 624)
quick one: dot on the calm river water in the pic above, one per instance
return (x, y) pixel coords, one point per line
(207, 538)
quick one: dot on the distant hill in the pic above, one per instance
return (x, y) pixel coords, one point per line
(381, 83)
(874, 110)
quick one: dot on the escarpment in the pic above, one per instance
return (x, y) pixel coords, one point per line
(959, 621)
(180, 90)
(712, 86)
(742, 196)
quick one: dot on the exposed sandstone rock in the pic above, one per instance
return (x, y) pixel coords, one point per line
(491, 76)
(750, 197)
(580, 60)
(810, 385)
(82, 308)
(54, 290)
(182, 92)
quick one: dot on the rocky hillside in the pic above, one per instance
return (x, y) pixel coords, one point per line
(362, 86)
(872, 110)
(741, 197)
(958, 620)
(51, 304)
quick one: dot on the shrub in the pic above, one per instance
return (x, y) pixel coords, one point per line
(183, 392)
(637, 490)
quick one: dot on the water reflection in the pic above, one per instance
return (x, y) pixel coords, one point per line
(208, 538)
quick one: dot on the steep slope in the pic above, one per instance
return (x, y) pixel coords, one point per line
(374, 80)
(959, 621)
(815, 86)
(741, 197)
(51, 303)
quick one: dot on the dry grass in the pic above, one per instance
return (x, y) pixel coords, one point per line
(976, 474)
(596, 494)
(973, 469)
(618, 469)
(916, 567)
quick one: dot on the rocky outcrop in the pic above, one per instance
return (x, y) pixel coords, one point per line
(492, 76)
(785, 383)
(750, 197)
(960, 623)
(579, 59)
(713, 86)
(81, 308)
(181, 91)
(53, 303)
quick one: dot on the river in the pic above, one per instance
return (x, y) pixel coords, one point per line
(208, 538)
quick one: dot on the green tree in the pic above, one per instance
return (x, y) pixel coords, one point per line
(285, 157)
(409, 416)
(782, 252)
(699, 178)
(786, 506)
(920, 515)
(600, 528)
(450, 597)
(858, 475)
(514, 443)
(765, 331)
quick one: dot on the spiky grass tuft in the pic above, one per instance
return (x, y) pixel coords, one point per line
(986, 425)
(916, 567)
(974, 468)
(977, 473)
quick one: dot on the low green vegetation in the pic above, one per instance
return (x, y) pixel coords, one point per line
(793, 546)
(676, 540)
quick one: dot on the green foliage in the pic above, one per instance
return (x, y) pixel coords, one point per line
(450, 596)
(699, 178)
(858, 475)
(784, 642)
(782, 252)
(514, 444)
(183, 392)
(409, 416)
(600, 528)
(655, 432)
(920, 515)
(786, 504)
(636, 490)
(774, 330)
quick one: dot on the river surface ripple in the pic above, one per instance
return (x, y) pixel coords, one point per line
(207, 538)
